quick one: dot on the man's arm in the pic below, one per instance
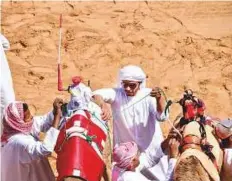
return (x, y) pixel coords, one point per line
(132, 176)
(37, 149)
(150, 157)
(173, 153)
(170, 172)
(156, 92)
(157, 115)
(157, 109)
(156, 151)
(106, 113)
(103, 96)
(98, 99)
(51, 119)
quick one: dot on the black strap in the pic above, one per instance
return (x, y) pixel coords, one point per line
(202, 130)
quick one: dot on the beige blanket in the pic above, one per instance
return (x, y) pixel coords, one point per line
(193, 129)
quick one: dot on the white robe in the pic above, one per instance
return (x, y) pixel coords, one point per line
(131, 176)
(136, 176)
(7, 91)
(135, 119)
(227, 165)
(147, 159)
(23, 158)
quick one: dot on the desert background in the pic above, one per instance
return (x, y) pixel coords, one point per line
(179, 45)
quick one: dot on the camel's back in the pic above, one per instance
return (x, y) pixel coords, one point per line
(194, 164)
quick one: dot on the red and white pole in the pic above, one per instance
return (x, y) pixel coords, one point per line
(60, 83)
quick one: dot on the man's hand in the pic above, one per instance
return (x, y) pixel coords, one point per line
(156, 92)
(58, 102)
(164, 146)
(168, 142)
(173, 148)
(57, 112)
(173, 134)
(106, 112)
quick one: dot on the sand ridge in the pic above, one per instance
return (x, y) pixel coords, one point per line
(179, 45)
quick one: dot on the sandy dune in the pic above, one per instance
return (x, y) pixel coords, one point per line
(179, 45)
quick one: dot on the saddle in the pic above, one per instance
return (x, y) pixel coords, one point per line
(200, 137)
(197, 137)
(80, 155)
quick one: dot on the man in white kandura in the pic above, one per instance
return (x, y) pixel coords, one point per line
(7, 91)
(23, 156)
(136, 110)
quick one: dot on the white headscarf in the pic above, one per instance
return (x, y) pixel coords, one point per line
(5, 43)
(133, 73)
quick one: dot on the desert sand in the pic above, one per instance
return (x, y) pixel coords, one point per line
(178, 44)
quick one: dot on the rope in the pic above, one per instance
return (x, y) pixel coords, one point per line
(174, 128)
(94, 115)
(165, 97)
(147, 96)
(108, 133)
(168, 104)
(169, 121)
(137, 101)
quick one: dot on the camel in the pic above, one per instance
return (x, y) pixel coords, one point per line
(77, 152)
(193, 164)
(201, 155)
(82, 138)
(191, 169)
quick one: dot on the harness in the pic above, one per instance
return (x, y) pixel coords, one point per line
(201, 144)
(193, 109)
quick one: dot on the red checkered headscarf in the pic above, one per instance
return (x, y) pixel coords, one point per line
(123, 154)
(13, 121)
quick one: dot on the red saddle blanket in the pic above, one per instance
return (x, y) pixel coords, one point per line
(76, 156)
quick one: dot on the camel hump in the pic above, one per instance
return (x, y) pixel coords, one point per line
(191, 169)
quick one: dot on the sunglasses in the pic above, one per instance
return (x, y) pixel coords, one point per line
(131, 85)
